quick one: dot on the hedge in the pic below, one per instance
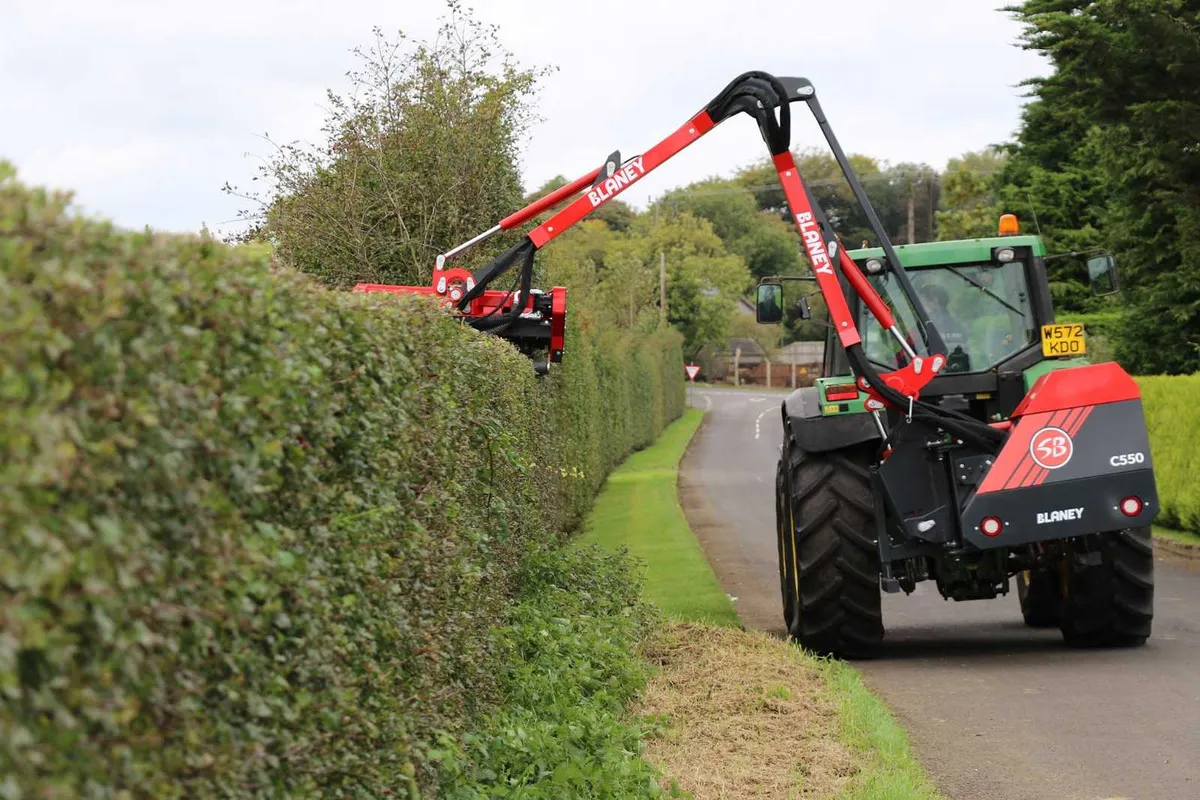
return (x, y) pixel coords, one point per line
(1173, 418)
(256, 532)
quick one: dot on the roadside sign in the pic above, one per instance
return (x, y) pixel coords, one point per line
(692, 371)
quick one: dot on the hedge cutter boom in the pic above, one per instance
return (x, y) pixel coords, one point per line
(536, 321)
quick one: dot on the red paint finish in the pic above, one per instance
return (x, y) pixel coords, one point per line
(637, 167)
(1073, 425)
(1061, 399)
(558, 322)
(549, 201)
(814, 245)
(1079, 386)
(1010, 461)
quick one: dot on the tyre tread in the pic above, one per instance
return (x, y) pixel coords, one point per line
(1112, 603)
(840, 602)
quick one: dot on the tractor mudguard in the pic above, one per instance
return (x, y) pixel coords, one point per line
(817, 434)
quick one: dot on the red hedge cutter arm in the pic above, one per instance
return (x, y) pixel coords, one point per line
(534, 320)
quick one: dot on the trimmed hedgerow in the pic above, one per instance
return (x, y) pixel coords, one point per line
(256, 533)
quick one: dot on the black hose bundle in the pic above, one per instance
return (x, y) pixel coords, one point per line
(965, 427)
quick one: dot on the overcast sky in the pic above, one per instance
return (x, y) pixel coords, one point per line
(146, 107)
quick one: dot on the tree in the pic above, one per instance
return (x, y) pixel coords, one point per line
(421, 156)
(1108, 141)
(969, 204)
(704, 280)
(888, 189)
(767, 244)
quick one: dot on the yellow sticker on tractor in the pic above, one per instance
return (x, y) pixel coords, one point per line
(1063, 340)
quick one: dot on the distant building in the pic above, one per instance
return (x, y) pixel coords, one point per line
(795, 364)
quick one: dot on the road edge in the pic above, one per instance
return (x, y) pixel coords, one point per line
(1188, 551)
(722, 552)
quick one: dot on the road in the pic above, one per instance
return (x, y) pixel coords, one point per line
(994, 709)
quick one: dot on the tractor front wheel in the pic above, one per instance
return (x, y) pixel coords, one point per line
(829, 563)
(1108, 590)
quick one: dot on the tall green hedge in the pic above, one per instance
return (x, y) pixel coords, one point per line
(256, 532)
(1173, 418)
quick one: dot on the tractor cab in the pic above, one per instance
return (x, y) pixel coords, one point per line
(980, 294)
(990, 300)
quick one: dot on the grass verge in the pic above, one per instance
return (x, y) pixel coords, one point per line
(638, 509)
(1182, 537)
(888, 768)
(1184, 544)
(728, 713)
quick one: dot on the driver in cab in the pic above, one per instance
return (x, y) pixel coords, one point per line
(937, 302)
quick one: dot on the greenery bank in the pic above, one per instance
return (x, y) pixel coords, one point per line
(261, 538)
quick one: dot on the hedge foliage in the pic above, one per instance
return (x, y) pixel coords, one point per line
(256, 533)
(1172, 418)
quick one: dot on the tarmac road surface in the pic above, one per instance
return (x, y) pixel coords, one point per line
(994, 709)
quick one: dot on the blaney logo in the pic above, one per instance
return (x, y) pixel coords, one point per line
(619, 180)
(1051, 448)
(813, 243)
(1065, 515)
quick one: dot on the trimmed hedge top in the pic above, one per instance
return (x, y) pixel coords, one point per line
(255, 531)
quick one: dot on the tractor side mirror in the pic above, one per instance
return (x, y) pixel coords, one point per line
(1102, 274)
(768, 309)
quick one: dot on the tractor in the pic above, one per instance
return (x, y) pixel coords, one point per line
(956, 435)
(870, 502)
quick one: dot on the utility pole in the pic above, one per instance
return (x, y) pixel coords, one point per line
(912, 189)
(662, 287)
(930, 201)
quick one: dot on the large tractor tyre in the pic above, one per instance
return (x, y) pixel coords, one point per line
(1040, 593)
(784, 540)
(1108, 590)
(830, 567)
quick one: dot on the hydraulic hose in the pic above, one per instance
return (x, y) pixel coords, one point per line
(966, 428)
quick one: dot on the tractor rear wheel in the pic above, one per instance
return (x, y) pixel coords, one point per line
(1040, 593)
(1108, 590)
(829, 562)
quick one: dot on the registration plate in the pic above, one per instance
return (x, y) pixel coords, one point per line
(1063, 340)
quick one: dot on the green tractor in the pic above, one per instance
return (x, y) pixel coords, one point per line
(868, 502)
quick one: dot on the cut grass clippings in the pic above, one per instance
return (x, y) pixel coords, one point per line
(742, 714)
(638, 509)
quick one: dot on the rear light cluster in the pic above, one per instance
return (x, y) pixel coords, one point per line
(1132, 506)
(841, 392)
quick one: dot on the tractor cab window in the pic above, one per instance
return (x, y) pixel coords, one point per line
(981, 310)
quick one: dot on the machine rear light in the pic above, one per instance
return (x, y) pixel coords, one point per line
(841, 392)
(991, 526)
(1132, 506)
